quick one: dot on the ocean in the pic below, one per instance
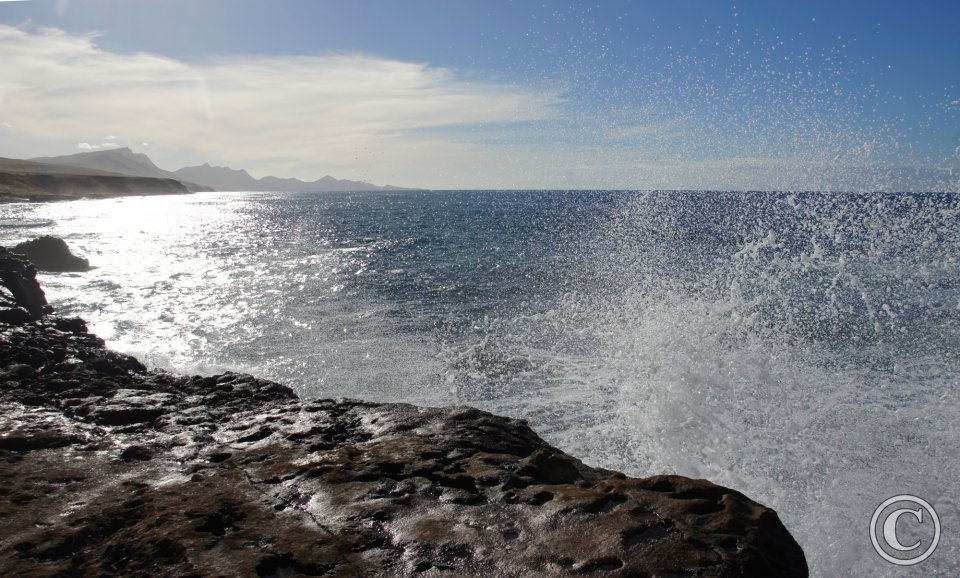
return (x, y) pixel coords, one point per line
(802, 348)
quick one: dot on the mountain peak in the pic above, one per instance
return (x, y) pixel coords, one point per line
(123, 152)
(218, 178)
(117, 160)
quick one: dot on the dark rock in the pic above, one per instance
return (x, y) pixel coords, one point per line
(41, 440)
(19, 278)
(51, 254)
(74, 325)
(15, 315)
(116, 364)
(233, 475)
(137, 453)
(16, 371)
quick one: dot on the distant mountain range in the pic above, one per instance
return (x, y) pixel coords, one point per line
(203, 177)
(227, 179)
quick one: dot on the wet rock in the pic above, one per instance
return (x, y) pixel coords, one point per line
(51, 254)
(112, 470)
(137, 453)
(125, 415)
(20, 287)
(74, 325)
(42, 440)
(15, 315)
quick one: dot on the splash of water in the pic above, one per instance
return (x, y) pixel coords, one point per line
(802, 348)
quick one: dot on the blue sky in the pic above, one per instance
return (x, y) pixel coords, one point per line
(497, 94)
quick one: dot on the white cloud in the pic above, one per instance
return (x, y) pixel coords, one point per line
(310, 115)
(93, 147)
(386, 121)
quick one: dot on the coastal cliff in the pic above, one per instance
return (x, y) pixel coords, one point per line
(111, 469)
(22, 181)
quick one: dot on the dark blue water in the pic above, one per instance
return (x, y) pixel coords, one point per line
(802, 348)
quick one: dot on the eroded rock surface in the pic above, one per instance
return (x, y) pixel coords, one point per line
(110, 469)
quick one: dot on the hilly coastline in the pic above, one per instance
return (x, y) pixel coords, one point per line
(122, 172)
(122, 160)
(28, 181)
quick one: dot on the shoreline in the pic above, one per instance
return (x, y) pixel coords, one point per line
(115, 469)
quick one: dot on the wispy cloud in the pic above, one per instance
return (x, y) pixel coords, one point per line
(387, 121)
(299, 115)
(85, 146)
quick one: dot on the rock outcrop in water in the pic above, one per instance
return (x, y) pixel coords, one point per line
(51, 254)
(111, 469)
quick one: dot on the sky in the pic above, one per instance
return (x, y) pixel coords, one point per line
(440, 94)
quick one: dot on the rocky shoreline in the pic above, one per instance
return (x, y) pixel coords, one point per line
(110, 469)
